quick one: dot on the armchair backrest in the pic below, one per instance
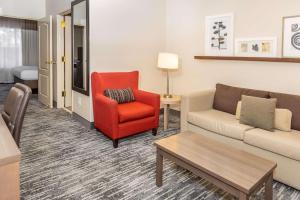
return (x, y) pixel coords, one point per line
(114, 80)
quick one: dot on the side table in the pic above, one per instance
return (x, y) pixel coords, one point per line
(166, 102)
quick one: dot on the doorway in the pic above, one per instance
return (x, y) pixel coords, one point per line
(55, 64)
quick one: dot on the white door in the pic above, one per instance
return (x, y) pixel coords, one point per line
(68, 63)
(45, 95)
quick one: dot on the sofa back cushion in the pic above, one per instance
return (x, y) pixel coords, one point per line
(291, 102)
(227, 97)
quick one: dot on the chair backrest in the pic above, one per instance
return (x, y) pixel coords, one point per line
(114, 80)
(14, 109)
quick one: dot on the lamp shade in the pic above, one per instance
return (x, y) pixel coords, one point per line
(167, 61)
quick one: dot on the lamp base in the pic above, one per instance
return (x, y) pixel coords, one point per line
(169, 96)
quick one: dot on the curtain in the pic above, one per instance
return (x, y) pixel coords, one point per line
(18, 46)
(30, 43)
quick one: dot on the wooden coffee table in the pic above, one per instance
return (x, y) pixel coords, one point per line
(235, 171)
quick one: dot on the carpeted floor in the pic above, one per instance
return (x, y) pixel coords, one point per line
(63, 160)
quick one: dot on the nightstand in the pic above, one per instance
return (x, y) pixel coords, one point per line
(166, 102)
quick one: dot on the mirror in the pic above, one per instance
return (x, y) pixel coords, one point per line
(80, 46)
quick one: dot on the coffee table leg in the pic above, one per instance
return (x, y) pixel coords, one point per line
(243, 196)
(159, 168)
(269, 188)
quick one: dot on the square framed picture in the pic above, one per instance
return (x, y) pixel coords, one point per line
(219, 35)
(256, 47)
(291, 37)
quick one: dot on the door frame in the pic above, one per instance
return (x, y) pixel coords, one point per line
(60, 65)
(60, 52)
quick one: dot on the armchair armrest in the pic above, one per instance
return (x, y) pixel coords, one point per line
(198, 101)
(148, 98)
(151, 99)
(106, 115)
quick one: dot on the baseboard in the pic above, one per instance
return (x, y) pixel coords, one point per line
(161, 111)
(84, 122)
(172, 111)
(54, 104)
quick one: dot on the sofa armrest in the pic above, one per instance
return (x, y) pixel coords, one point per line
(194, 102)
(106, 115)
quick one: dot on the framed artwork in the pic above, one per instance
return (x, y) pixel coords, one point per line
(291, 37)
(256, 47)
(219, 35)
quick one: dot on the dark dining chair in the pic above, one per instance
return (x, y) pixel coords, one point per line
(15, 108)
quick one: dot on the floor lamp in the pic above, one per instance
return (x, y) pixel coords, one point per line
(168, 61)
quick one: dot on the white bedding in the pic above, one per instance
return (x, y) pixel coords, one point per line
(26, 73)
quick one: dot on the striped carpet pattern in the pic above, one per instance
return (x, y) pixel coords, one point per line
(63, 160)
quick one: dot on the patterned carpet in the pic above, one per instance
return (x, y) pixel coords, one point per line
(63, 160)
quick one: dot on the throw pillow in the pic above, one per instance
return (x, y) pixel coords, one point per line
(283, 118)
(238, 110)
(258, 112)
(120, 95)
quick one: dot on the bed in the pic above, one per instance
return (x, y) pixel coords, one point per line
(27, 75)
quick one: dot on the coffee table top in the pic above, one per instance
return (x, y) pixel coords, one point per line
(238, 168)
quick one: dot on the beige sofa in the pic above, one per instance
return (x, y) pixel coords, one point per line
(198, 115)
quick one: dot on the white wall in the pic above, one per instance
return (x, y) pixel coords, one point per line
(253, 18)
(27, 9)
(127, 35)
(124, 36)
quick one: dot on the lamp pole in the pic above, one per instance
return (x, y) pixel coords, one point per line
(168, 95)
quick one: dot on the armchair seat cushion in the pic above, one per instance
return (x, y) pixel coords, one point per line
(134, 111)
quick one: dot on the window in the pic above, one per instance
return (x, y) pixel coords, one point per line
(10, 52)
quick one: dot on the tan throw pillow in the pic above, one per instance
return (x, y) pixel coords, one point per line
(258, 112)
(238, 110)
(283, 119)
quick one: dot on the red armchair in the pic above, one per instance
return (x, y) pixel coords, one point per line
(122, 120)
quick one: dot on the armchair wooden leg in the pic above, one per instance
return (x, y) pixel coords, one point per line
(154, 131)
(116, 143)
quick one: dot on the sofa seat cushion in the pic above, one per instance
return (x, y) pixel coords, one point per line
(219, 122)
(284, 143)
(134, 111)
